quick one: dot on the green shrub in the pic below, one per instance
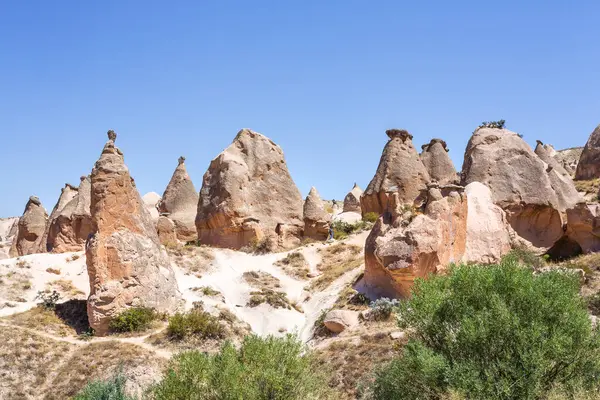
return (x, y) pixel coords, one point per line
(494, 332)
(500, 124)
(370, 217)
(197, 323)
(133, 319)
(342, 229)
(111, 389)
(263, 368)
(48, 300)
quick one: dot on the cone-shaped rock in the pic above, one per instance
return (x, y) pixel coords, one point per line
(589, 163)
(438, 163)
(31, 229)
(72, 225)
(126, 265)
(352, 200)
(520, 185)
(316, 219)
(180, 203)
(559, 179)
(400, 171)
(66, 195)
(247, 194)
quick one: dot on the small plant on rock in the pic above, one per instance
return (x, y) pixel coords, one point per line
(48, 299)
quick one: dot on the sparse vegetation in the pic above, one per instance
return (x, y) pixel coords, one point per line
(74, 257)
(589, 186)
(48, 300)
(294, 264)
(262, 369)
(194, 323)
(55, 271)
(260, 246)
(336, 260)
(341, 229)
(207, 291)
(271, 297)
(134, 319)
(370, 217)
(109, 389)
(352, 300)
(500, 124)
(261, 280)
(194, 260)
(478, 329)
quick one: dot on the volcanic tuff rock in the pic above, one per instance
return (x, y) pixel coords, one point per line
(8, 231)
(405, 245)
(584, 226)
(31, 229)
(247, 194)
(151, 200)
(352, 200)
(166, 231)
(589, 163)
(400, 171)
(438, 163)
(560, 180)
(316, 219)
(180, 202)
(567, 158)
(126, 265)
(66, 195)
(70, 227)
(339, 320)
(520, 185)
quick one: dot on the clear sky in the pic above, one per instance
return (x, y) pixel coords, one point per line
(323, 79)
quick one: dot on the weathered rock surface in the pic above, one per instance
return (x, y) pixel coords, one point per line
(352, 200)
(8, 231)
(405, 245)
(584, 226)
(338, 321)
(520, 185)
(248, 194)
(125, 262)
(69, 228)
(316, 219)
(31, 228)
(66, 195)
(488, 231)
(180, 203)
(438, 163)
(400, 171)
(165, 228)
(589, 163)
(151, 200)
(567, 158)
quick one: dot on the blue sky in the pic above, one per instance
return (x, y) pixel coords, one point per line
(323, 79)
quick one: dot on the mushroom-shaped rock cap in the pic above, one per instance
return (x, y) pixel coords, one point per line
(112, 135)
(399, 133)
(34, 200)
(181, 160)
(438, 163)
(432, 142)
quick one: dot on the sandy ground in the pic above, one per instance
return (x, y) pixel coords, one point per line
(225, 275)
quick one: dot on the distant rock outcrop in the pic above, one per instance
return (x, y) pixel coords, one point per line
(589, 164)
(126, 265)
(567, 158)
(405, 245)
(67, 194)
(31, 229)
(316, 219)
(400, 171)
(69, 228)
(8, 231)
(519, 182)
(438, 163)
(151, 200)
(248, 194)
(352, 200)
(180, 203)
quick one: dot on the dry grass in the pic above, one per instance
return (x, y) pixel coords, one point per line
(590, 186)
(261, 280)
(590, 264)
(271, 297)
(14, 283)
(352, 361)
(194, 260)
(64, 286)
(294, 264)
(336, 260)
(55, 271)
(350, 299)
(74, 257)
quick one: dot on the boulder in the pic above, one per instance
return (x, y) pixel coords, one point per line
(316, 219)
(248, 194)
(31, 229)
(151, 200)
(126, 265)
(70, 227)
(589, 162)
(400, 171)
(438, 163)
(165, 228)
(560, 180)
(180, 202)
(584, 226)
(405, 245)
(520, 185)
(352, 200)
(338, 321)
(488, 231)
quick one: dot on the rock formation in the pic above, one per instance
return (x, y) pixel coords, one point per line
(8, 230)
(405, 245)
(66, 195)
(125, 262)
(338, 321)
(31, 229)
(151, 200)
(248, 194)
(520, 185)
(488, 232)
(69, 228)
(400, 171)
(589, 163)
(316, 219)
(180, 202)
(166, 231)
(438, 163)
(584, 226)
(566, 158)
(352, 200)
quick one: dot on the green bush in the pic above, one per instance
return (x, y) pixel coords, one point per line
(263, 368)
(111, 389)
(342, 229)
(493, 332)
(500, 124)
(133, 319)
(197, 323)
(370, 217)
